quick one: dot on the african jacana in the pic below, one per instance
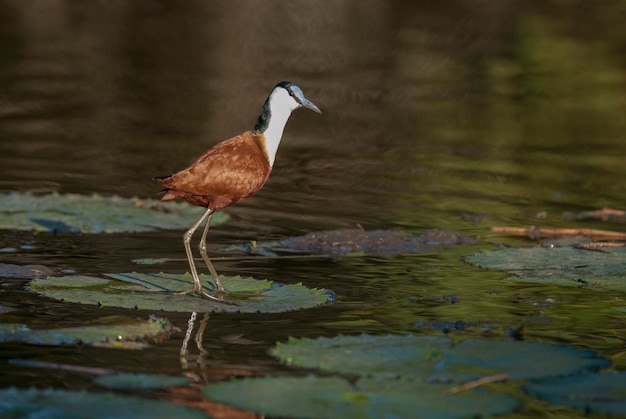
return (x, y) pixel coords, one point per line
(233, 170)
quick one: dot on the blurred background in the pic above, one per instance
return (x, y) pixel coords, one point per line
(521, 103)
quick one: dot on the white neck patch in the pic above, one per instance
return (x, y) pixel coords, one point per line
(281, 105)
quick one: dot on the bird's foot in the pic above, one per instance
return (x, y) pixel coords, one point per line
(221, 291)
(205, 294)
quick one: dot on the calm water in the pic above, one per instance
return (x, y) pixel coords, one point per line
(457, 115)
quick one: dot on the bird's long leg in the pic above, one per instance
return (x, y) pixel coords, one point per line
(197, 286)
(205, 256)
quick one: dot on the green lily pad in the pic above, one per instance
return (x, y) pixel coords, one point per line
(436, 358)
(337, 243)
(161, 291)
(73, 213)
(559, 265)
(124, 381)
(400, 376)
(521, 360)
(114, 332)
(365, 354)
(593, 393)
(286, 396)
(336, 397)
(63, 404)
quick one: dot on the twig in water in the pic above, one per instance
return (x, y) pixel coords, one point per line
(63, 367)
(473, 384)
(535, 232)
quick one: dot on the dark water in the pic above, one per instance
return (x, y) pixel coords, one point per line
(458, 115)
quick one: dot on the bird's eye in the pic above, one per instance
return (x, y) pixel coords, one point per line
(295, 94)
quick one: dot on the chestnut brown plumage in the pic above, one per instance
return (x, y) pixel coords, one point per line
(230, 172)
(233, 170)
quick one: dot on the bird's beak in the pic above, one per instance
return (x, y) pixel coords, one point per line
(308, 104)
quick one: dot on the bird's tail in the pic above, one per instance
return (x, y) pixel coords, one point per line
(161, 178)
(164, 191)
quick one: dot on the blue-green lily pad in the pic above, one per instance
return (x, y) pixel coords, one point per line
(113, 332)
(436, 358)
(566, 266)
(592, 393)
(309, 397)
(63, 404)
(400, 376)
(365, 354)
(161, 291)
(73, 213)
(337, 243)
(125, 381)
(520, 360)
(8, 270)
(336, 397)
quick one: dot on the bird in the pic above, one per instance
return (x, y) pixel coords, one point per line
(232, 171)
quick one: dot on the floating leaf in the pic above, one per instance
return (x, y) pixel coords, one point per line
(335, 397)
(49, 403)
(400, 376)
(23, 271)
(73, 213)
(162, 292)
(521, 360)
(114, 332)
(365, 354)
(434, 357)
(345, 242)
(404, 397)
(124, 381)
(559, 265)
(592, 393)
(286, 397)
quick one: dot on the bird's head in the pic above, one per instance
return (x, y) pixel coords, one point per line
(285, 98)
(290, 94)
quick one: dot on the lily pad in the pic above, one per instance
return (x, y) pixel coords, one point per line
(365, 354)
(161, 291)
(58, 404)
(124, 381)
(400, 376)
(434, 357)
(73, 213)
(113, 332)
(520, 360)
(593, 393)
(8, 270)
(559, 265)
(337, 243)
(336, 397)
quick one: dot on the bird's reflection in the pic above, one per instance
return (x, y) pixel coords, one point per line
(202, 352)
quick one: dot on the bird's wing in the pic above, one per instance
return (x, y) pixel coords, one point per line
(235, 167)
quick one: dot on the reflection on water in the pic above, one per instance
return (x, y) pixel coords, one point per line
(492, 110)
(198, 336)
